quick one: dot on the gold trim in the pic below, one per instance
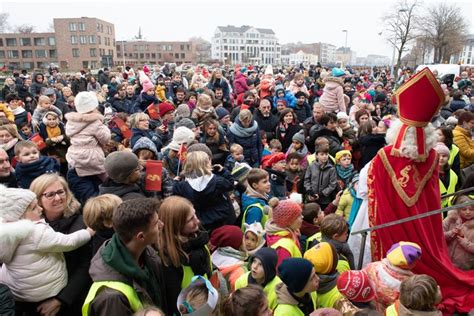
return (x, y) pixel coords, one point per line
(426, 72)
(409, 201)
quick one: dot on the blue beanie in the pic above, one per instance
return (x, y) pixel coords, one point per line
(295, 273)
(221, 112)
(337, 72)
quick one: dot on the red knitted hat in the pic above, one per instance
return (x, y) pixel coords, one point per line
(165, 108)
(286, 212)
(355, 285)
(227, 236)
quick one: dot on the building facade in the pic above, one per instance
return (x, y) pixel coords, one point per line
(245, 44)
(327, 53)
(76, 43)
(302, 58)
(140, 52)
(467, 54)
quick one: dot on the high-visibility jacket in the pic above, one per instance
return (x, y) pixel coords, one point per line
(269, 289)
(259, 206)
(293, 310)
(289, 245)
(453, 181)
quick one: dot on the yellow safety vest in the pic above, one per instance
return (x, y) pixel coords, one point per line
(452, 154)
(316, 236)
(392, 310)
(269, 289)
(289, 245)
(293, 310)
(453, 181)
(188, 272)
(328, 299)
(264, 216)
(125, 289)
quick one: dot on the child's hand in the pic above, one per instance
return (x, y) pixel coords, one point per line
(338, 198)
(90, 231)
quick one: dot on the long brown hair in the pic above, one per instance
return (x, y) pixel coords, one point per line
(173, 213)
(245, 301)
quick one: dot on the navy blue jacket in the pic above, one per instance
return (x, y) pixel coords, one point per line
(154, 137)
(252, 145)
(26, 173)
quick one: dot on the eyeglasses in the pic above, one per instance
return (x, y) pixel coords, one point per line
(51, 195)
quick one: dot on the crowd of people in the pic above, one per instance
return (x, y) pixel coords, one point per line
(225, 191)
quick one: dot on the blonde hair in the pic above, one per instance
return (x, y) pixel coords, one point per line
(40, 184)
(236, 147)
(11, 129)
(99, 210)
(196, 296)
(419, 292)
(147, 309)
(173, 213)
(136, 117)
(197, 165)
(204, 99)
(22, 144)
(245, 115)
(43, 98)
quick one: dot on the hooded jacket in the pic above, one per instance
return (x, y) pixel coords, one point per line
(209, 196)
(333, 95)
(87, 134)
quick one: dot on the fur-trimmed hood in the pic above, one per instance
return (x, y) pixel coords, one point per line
(11, 235)
(333, 82)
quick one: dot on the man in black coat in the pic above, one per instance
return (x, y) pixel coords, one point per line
(266, 120)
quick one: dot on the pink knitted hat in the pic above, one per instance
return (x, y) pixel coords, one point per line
(286, 212)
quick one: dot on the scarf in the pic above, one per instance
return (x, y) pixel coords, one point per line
(251, 192)
(327, 282)
(117, 256)
(9, 145)
(238, 130)
(53, 131)
(198, 256)
(345, 173)
(356, 203)
(283, 128)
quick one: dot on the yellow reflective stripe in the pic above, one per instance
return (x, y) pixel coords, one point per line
(452, 154)
(264, 216)
(125, 289)
(289, 245)
(188, 273)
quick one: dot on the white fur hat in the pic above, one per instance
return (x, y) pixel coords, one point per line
(183, 135)
(14, 202)
(86, 101)
(269, 70)
(257, 229)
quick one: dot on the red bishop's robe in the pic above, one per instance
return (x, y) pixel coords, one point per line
(399, 187)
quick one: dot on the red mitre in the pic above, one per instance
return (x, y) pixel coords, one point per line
(418, 100)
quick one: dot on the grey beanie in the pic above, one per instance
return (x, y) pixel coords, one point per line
(182, 111)
(120, 164)
(200, 147)
(186, 122)
(14, 202)
(299, 137)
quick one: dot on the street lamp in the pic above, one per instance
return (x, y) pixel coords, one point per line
(345, 45)
(395, 43)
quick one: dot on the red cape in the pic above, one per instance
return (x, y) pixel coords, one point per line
(399, 188)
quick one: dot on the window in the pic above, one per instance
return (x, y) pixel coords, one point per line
(51, 41)
(92, 39)
(170, 47)
(93, 64)
(72, 27)
(188, 47)
(111, 52)
(93, 52)
(53, 53)
(41, 64)
(85, 64)
(141, 56)
(82, 26)
(40, 53)
(83, 39)
(12, 54)
(147, 55)
(27, 54)
(27, 65)
(159, 55)
(39, 41)
(182, 47)
(25, 41)
(99, 40)
(176, 55)
(153, 55)
(73, 39)
(11, 41)
(183, 56)
(1, 41)
(2, 54)
(75, 52)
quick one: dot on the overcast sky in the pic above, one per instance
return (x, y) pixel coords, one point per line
(292, 20)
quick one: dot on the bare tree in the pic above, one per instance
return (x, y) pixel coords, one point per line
(4, 22)
(24, 28)
(401, 28)
(444, 27)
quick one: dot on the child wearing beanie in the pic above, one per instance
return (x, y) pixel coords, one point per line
(448, 179)
(324, 259)
(296, 295)
(344, 168)
(33, 267)
(203, 110)
(85, 156)
(298, 147)
(228, 256)
(419, 295)
(283, 230)
(275, 165)
(355, 286)
(386, 275)
(262, 266)
(253, 237)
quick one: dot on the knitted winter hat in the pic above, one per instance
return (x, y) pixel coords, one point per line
(355, 285)
(452, 121)
(200, 147)
(269, 70)
(256, 229)
(337, 72)
(183, 135)
(14, 202)
(441, 148)
(275, 158)
(269, 259)
(240, 171)
(182, 111)
(342, 116)
(86, 101)
(341, 153)
(299, 137)
(120, 164)
(404, 254)
(221, 112)
(186, 122)
(227, 236)
(324, 258)
(286, 212)
(295, 273)
(164, 108)
(145, 143)
(147, 85)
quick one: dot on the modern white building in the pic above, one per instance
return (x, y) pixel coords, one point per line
(328, 53)
(245, 44)
(467, 54)
(302, 58)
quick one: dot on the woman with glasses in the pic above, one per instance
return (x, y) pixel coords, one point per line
(62, 211)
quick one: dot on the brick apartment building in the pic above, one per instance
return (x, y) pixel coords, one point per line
(140, 52)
